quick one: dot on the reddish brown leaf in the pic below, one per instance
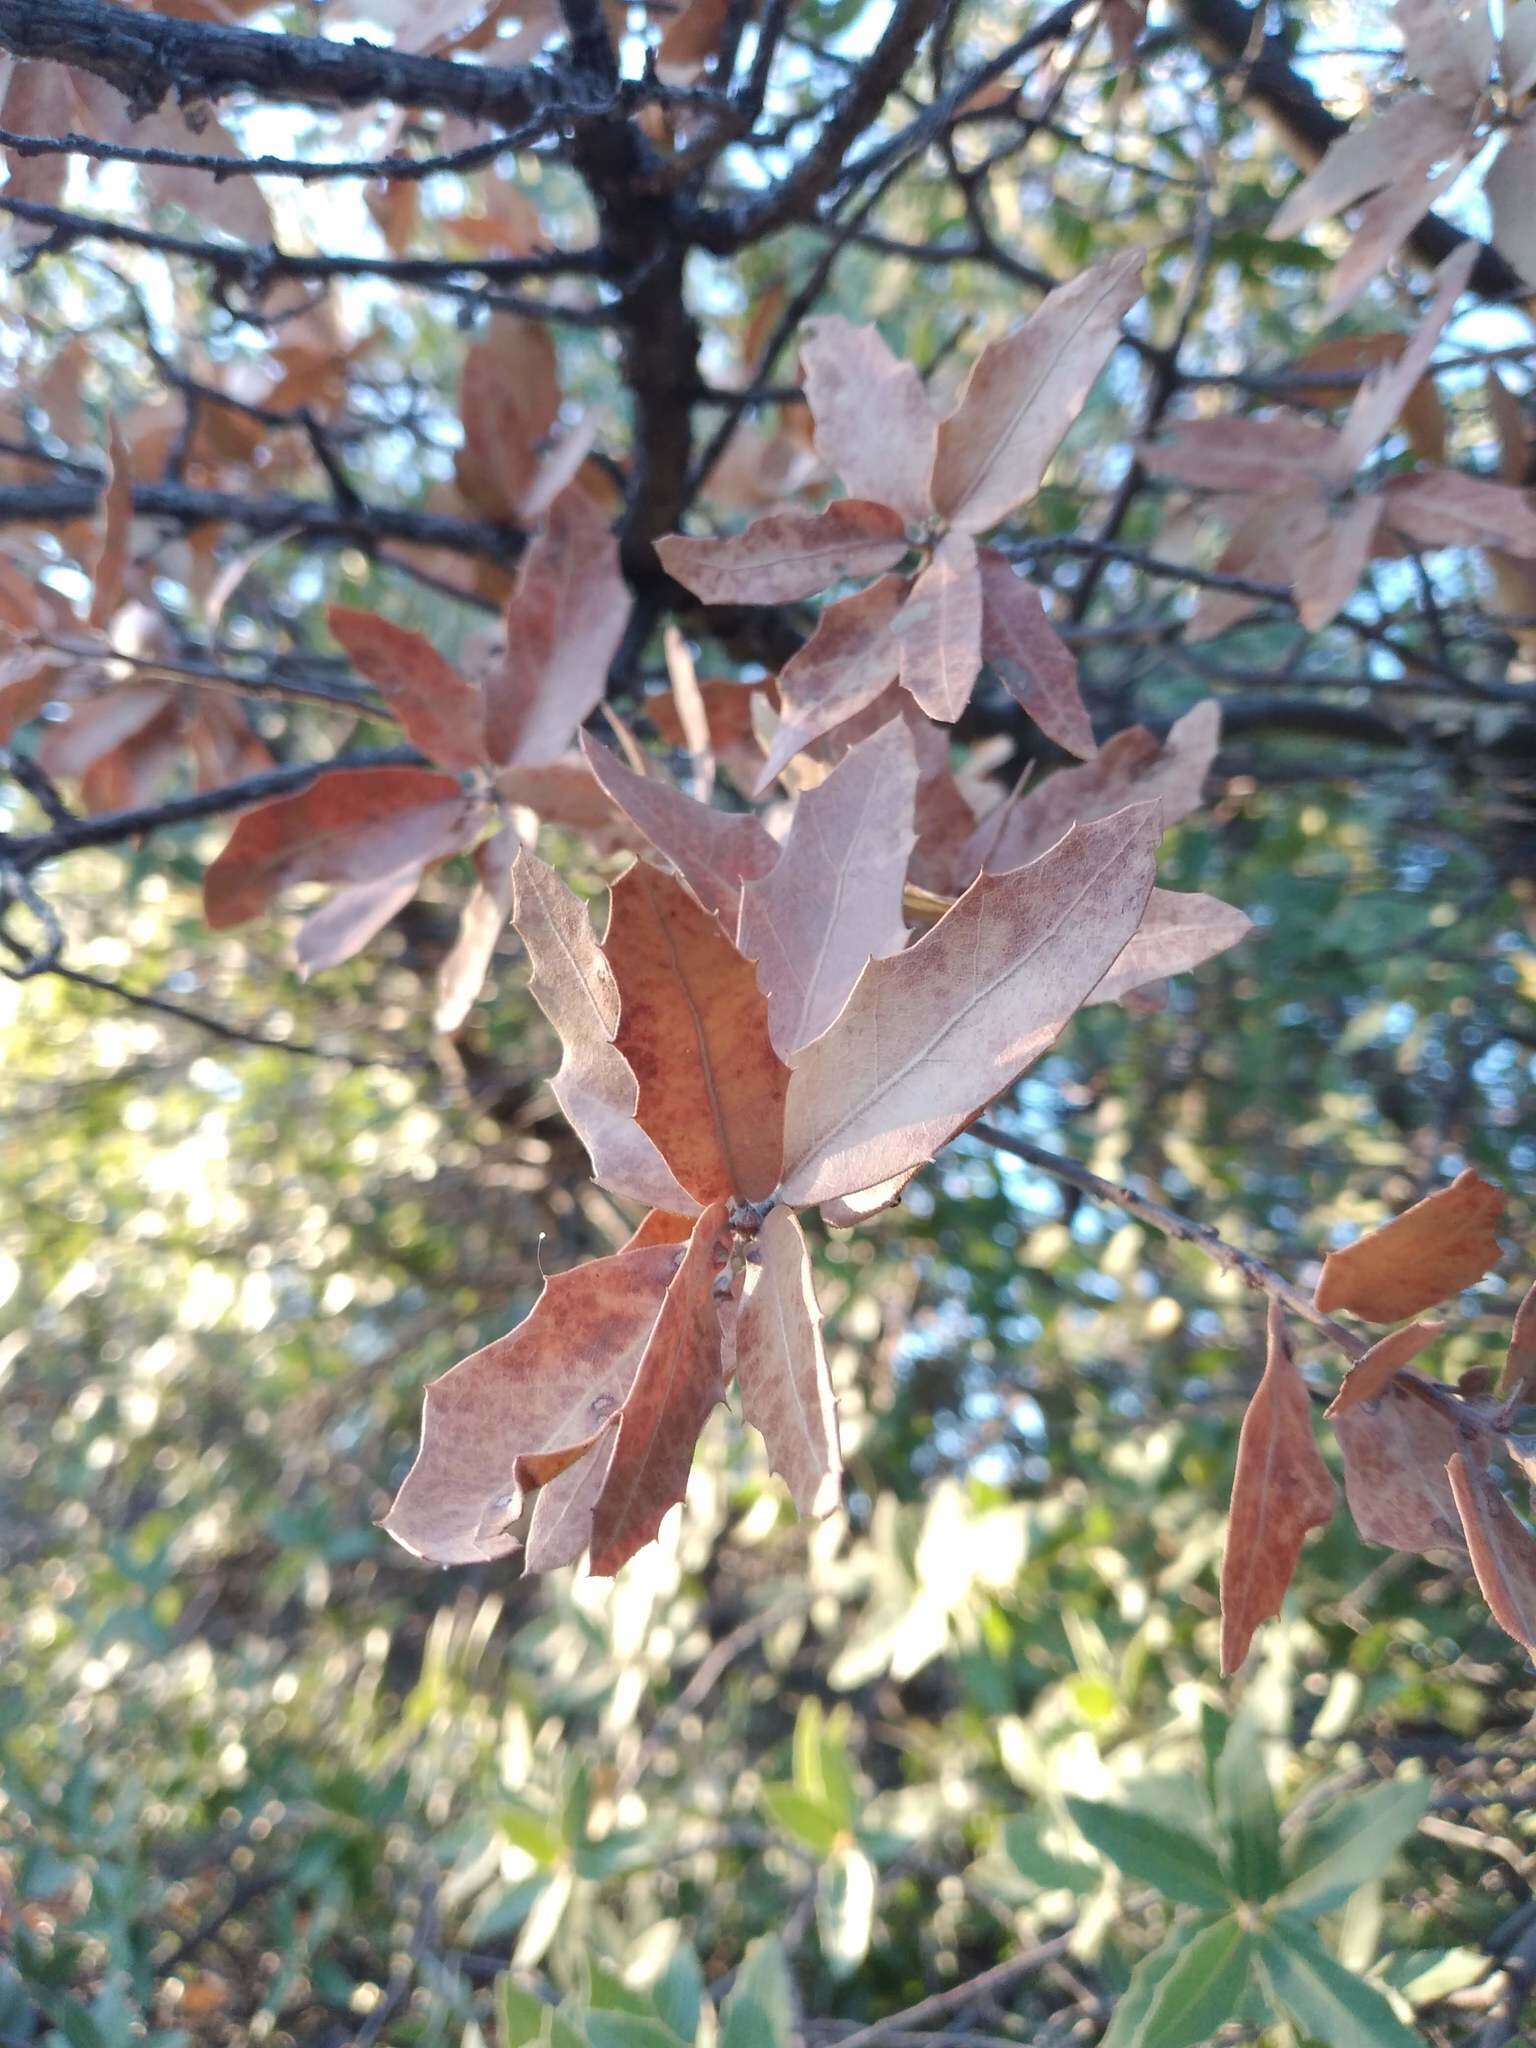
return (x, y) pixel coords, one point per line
(715, 852)
(929, 1037)
(1280, 1491)
(38, 100)
(834, 898)
(440, 711)
(1130, 768)
(1268, 458)
(481, 923)
(691, 39)
(693, 1025)
(1032, 661)
(573, 985)
(1179, 931)
(661, 1226)
(1502, 1549)
(874, 424)
(350, 825)
(786, 1391)
(508, 401)
(564, 623)
(504, 1419)
(116, 531)
(1381, 1365)
(848, 662)
(1519, 1373)
(788, 554)
(938, 630)
(679, 1381)
(1424, 1256)
(1395, 1451)
(1025, 391)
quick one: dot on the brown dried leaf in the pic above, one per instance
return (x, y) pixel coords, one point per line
(786, 1390)
(1424, 1256)
(1381, 1365)
(929, 1037)
(1519, 1374)
(1395, 1451)
(715, 852)
(1389, 392)
(111, 567)
(440, 712)
(509, 398)
(1268, 458)
(849, 661)
(1502, 1549)
(1448, 45)
(1508, 187)
(1032, 661)
(1352, 356)
(680, 1379)
(938, 630)
(874, 424)
(573, 985)
(349, 825)
(1281, 1490)
(503, 1419)
(691, 39)
(481, 923)
(1024, 392)
(1327, 569)
(1403, 140)
(1442, 508)
(693, 1025)
(834, 898)
(788, 555)
(1181, 929)
(345, 923)
(564, 622)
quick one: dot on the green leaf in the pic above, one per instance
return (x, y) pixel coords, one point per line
(845, 1909)
(1042, 1866)
(628, 2030)
(808, 1821)
(1327, 2002)
(760, 2012)
(519, 2013)
(679, 1992)
(1245, 1811)
(1154, 1851)
(532, 1833)
(1181, 1994)
(1353, 1841)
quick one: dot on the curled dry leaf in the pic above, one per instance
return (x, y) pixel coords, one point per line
(1424, 1256)
(574, 986)
(349, 825)
(515, 1414)
(1395, 1452)
(1024, 392)
(1381, 1365)
(786, 1391)
(1502, 1549)
(833, 900)
(874, 424)
(693, 1026)
(928, 1038)
(788, 554)
(1280, 1491)
(715, 852)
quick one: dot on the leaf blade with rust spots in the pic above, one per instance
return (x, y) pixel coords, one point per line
(788, 555)
(1025, 391)
(574, 986)
(874, 424)
(781, 1367)
(715, 852)
(564, 622)
(938, 630)
(440, 712)
(693, 1026)
(500, 1420)
(1034, 664)
(679, 1380)
(1502, 1549)
(1422, 1257)
(929, 1036)
(349, 825)
(833, 899)
(1395, 1454)
(1281, 1490)
(1381, 1364)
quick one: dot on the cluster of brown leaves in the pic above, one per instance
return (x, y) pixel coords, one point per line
(1416, 1453)
(1291, 497)
(1400, 161)
(759, 1033)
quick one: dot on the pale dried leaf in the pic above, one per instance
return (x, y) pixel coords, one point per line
(928, 1038)
(1280, 1491)
(874, 424)
(1327, 570)
(788, 555)
(1519, 1372)
(1024, 392)
(851, 659)
(481, 923)
(781, 1366)
(1031, 660)
(573, 985)
(1404, 140)
(1384, 396)
(715, 852)
(1387, 221)
(693, 1026)
(833, 900)
(1433, 508)
(1395, 1451)
(345, 923)
(1448, 45)
(1180, 930)
(111, 567)
(1422, 1257)
(1517, 48)
(1508, 187)
(1271, 457)
(938, 630)
(509, 399)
